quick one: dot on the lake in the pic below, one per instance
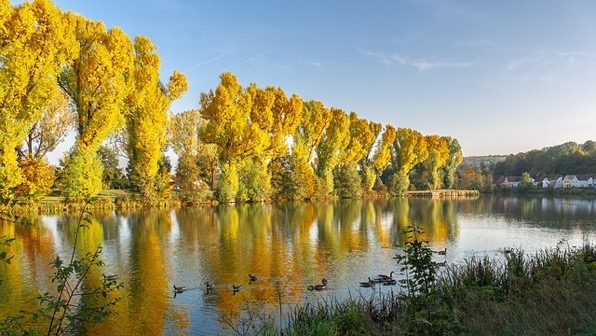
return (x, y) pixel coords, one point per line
(291, 245)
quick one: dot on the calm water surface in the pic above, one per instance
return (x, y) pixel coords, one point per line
(295, 244)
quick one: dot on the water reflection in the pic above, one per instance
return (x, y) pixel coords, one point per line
(294, 244)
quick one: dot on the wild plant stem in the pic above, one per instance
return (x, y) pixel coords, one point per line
(74, 248)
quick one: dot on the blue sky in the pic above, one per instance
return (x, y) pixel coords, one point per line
(500, 76)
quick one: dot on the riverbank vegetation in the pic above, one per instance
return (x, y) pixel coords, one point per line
(62, 72)
(552, 292)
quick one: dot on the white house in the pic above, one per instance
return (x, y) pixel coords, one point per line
(585, 181)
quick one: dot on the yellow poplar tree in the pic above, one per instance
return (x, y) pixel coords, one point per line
(315, 118)
(278, 117)
(363, 135)
(408, 150)
(147, 116)
(97, 82)
(234, 128)
(383, 154)
(34, 45)
(455, 158)
(438, 154)
(332, 146)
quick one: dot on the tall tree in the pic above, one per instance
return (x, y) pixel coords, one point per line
(363, 136)
(234, 128)
(34, 45)
(147, 116)
(315, 120)
(330, 149)
(97, 82)
(197, 161)
(408, 150)
(382, 155)
(455, 158)
(438, 154)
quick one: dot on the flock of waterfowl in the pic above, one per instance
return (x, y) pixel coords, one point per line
(381, 279)
(385, 280)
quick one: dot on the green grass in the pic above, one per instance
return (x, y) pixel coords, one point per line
(550, 293)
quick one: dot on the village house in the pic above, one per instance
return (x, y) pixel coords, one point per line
(556, 182)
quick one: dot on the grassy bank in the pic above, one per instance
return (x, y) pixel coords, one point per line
(550, 293)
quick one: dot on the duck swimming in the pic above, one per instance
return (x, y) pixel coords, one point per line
(319, 287)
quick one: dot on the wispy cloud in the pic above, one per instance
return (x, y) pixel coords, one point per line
(423, 65)
(516, 63)
(253, 58)
(379, 56)
(211, 60)
(317, 65)
(420, 64)
(546, 66)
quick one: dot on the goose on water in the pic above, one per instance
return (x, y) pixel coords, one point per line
(252, 278)
(319, 287)
(390, 282)
(385, 277)
(368, 283)
(179, 289)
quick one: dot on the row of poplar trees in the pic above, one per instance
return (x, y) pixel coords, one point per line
(59, 69)
(253, 144)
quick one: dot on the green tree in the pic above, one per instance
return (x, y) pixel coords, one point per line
(112, 175)
(526, 182)
(256, 181)
(347, 181)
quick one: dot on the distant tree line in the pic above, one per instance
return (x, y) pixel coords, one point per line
(564, 159)
(569, 158)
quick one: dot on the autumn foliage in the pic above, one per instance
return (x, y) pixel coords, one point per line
(60, 71)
